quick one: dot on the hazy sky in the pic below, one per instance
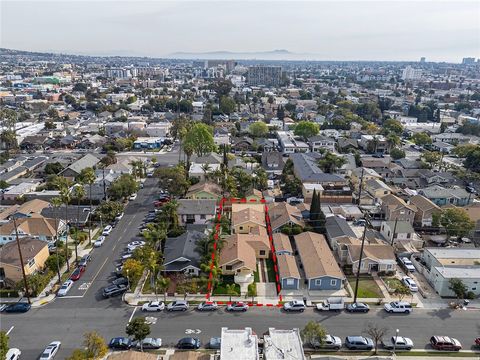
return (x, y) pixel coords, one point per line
(324, 30)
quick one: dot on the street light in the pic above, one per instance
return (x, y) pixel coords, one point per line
(395, 342)
(128, 281)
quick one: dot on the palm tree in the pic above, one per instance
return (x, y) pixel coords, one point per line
(231, 289)
(79, 195)
(162, 285)
(170, 212)
(87, 176)
(206, 169)
(62, 184)
(57, 202)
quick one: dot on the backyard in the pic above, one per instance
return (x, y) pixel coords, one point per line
(367, 288)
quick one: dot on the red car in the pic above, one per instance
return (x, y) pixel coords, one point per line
(77, 273)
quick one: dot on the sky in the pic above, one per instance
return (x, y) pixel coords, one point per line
(321, 30)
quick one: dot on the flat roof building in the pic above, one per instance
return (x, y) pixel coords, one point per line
(283, 344)
(239, 344)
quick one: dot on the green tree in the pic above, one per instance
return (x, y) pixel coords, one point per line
(397, 153)
(306, 129)
(458, 287)
(173, 179)
(313, 334)
(54, 264)
(227, 105)
(53, 168)
(133, 270)
(258, 129)
(79, 194)
(317, 217)
(3, 344)
(161, 285)
(456, 222)
(124, 186)
(472, 161)
(330, 162)
(422, 138)
(393, 140)
(95, 346)
(432, 158)
(78, 354)
(3, 184)
(231, 290)
(87, 176)
(392, 126)
(138, 329)
(401, 291)
(200, 139)
(64, 187)
(107, 211)
(462, 151)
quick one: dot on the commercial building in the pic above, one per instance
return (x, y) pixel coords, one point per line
(264, 75)
(239, 344)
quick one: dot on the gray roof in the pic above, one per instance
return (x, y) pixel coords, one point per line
(182, 246)
(454, 253)
(73, 212)
(308, 171)
(88, 160)
(402, 227)
(459, 272)
(439, 192)
(196, 207)
(337, 226)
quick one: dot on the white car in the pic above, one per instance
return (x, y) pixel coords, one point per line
(135, 244)
(127, 256)
(408, 264)
(408, 281)
(67, 285)
(132, 197)
(153, 306)
(50, 351)
(107, 230)
(119, 216)
(99, 242)
(13, 354)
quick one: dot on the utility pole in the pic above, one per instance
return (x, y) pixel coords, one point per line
(360, 259)
(25, 283)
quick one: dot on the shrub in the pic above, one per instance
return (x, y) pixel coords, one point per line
(470, 295)
(252, 289)
(8, 293)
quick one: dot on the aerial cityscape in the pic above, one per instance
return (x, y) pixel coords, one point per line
(195, 180)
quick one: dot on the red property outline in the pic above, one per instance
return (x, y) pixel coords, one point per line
(270, 237)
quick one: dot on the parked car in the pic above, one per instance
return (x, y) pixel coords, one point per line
(149, 343)
(135, 244)
(178, 305)
(294, 305)
(331, 304)
(207, 306)
(67, 285)
(237, 306)
(107, 230)
(398, 307)
(214, 343)
(359, 343)
(132, 197)
(113, 290)
(120, 281)
(153, 306)
(120, 343)
(470, 189)
(357, 307)
(13, 354)
(408, 264)
(359, 222)
(99, 242)
(408, 281)
(329, 342)
(19, 307)
(126, 256)
(445, 343)
(85, 260)
(189, 343)
(77, 273)
(119, 271)
(398, 343)
(50, 351)
(119, 216)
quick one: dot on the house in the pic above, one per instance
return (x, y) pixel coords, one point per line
(288, 272)
(247, 216)
(77, 215)
(308, 189)
(289, 145)
(34, 253)
(180, 254)
(395, 209)
(335, 227)
(203, 191)
(396, 230)
(281, 244)
(373, 143)
(321, 270)
(442, 196)
(306, 170)
(442, 147)
(22, 211)
(283, 214)
(364, 173)
(36, 227)
(18, 191)
(195, 211)
(200, 171)
(273, 162)
(74, 169)
(377, 188)
(376, 257)
(425, 210)
(242, 144)
(148, 143)
(443, 264)
(321, 143)
(253, 195)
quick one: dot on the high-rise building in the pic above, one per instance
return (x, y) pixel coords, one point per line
(118, 73)
(422, 59)
(264, 75)
(410, 73)
(468, 61)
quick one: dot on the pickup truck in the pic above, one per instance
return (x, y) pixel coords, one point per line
(331, 304)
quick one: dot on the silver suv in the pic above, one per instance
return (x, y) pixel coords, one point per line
(178, 305)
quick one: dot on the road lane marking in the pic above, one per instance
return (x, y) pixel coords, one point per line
(71, 296)
(192, 331)
(10, 330)
(84, 286)
(150, 320)
(101, 267)
(133, 313)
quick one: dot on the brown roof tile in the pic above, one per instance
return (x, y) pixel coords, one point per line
(287, 266)
(281, 242)
(30, 249)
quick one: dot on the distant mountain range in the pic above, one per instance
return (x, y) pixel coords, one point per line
(261, 55)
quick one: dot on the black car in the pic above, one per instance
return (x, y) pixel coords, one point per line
(17, 308)
(114, 290)
(120, 281)
(357, 307)
(189, 343)
(120, 343)
(85, 260)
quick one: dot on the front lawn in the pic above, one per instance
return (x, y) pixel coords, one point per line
(393, 283)
(270, 270)
(367, 288)
(221, 289)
